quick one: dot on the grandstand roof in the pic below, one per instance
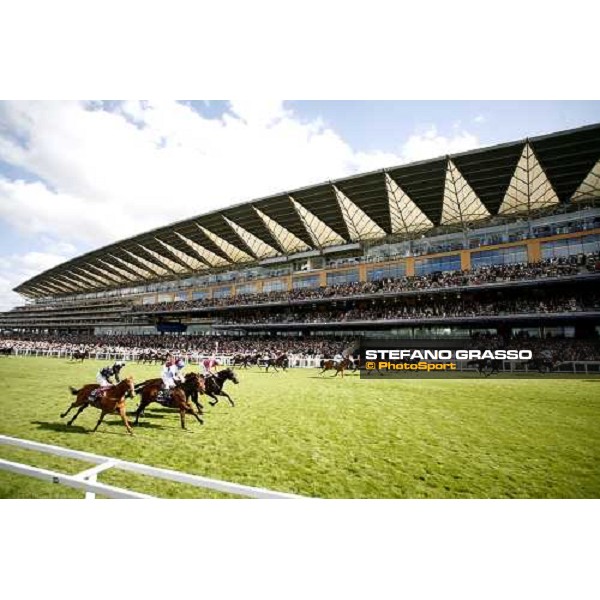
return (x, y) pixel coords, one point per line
(509, 179)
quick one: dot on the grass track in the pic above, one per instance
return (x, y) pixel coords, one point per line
(297, 432)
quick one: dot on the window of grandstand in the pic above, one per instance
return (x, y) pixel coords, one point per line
(349, 276)
(567, 332)
(181, 296)
(223, 292)
(376, 273)
(588, 244)
(276, 285)
(165, 298)
(199, 295)
(503, 256)
(301, 283)
(425, 266)
(248, 288)
(149, 300)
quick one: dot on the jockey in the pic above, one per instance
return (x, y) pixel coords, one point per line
(116, 368)
(103, 377)
(338, 358)
(208, 364)
(171, 373)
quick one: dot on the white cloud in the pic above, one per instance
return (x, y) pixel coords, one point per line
(106, 173)
(479, 119)
(430, 144)
(16, 268)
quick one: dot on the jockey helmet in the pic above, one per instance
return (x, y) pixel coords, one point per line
(180, 363)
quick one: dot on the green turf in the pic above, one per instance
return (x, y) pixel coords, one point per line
(325, 437)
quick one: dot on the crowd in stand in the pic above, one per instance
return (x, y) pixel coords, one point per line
(196, 347)
(548, 268)
(136, 345)
(424, 309)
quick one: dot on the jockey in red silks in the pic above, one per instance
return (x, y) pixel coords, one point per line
(208, 364)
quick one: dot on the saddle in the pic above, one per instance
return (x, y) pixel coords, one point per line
(97, 394)
(164, 397)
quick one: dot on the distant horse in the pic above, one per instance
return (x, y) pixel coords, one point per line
(542, 365)
(213, 385)
(486, 366)
(241, 360)
(177, 398)
(109, 400)
(7, 351)
(282, 361)
(79, 355)
(339, 367)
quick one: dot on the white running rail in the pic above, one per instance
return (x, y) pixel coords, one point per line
(86, 480)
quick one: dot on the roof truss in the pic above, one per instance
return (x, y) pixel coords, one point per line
(529, 188)
(360, 225)
(405, 215)
(461, 204)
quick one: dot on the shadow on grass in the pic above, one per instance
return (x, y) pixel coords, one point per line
(60, 427)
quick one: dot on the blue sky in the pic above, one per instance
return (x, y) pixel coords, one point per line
(78, 175)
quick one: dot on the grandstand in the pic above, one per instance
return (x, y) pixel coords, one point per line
(502, 240)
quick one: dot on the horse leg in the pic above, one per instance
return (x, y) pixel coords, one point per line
(182, 415)
(99, 420)
(214, 398)
(124, 417)
(81, 409)
(140, 410)
(197, 402)
(228, 397)
(63, 415)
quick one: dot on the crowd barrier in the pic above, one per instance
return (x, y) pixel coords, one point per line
(301, 362)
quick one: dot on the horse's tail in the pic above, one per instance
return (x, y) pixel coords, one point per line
(74, 392)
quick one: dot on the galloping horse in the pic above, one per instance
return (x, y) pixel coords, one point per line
(194, 384)
(329, 364)
(282, 361)
(6, 351)
(108, 401)
(79, 355)
(213, 385)
(486, 366)
(241, 360)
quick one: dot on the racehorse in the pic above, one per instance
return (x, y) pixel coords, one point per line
(329, 364)
(282, 361)
(178, 397)
(486, 366)
(542, 365)
(79, 355)
(213, 385)
(108, 401)
(241, 360)
(6, 351)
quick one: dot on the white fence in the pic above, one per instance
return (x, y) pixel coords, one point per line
(295, 361)
(87, 480)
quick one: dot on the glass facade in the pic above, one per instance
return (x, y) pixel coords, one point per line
(571, 247)
(248, 288)
(350, 276)
(502, 256)
(223, 292)
(425, 266)
(199, 295)
(386, 271)
(299, 283)
(165, 298)
(274, 286)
